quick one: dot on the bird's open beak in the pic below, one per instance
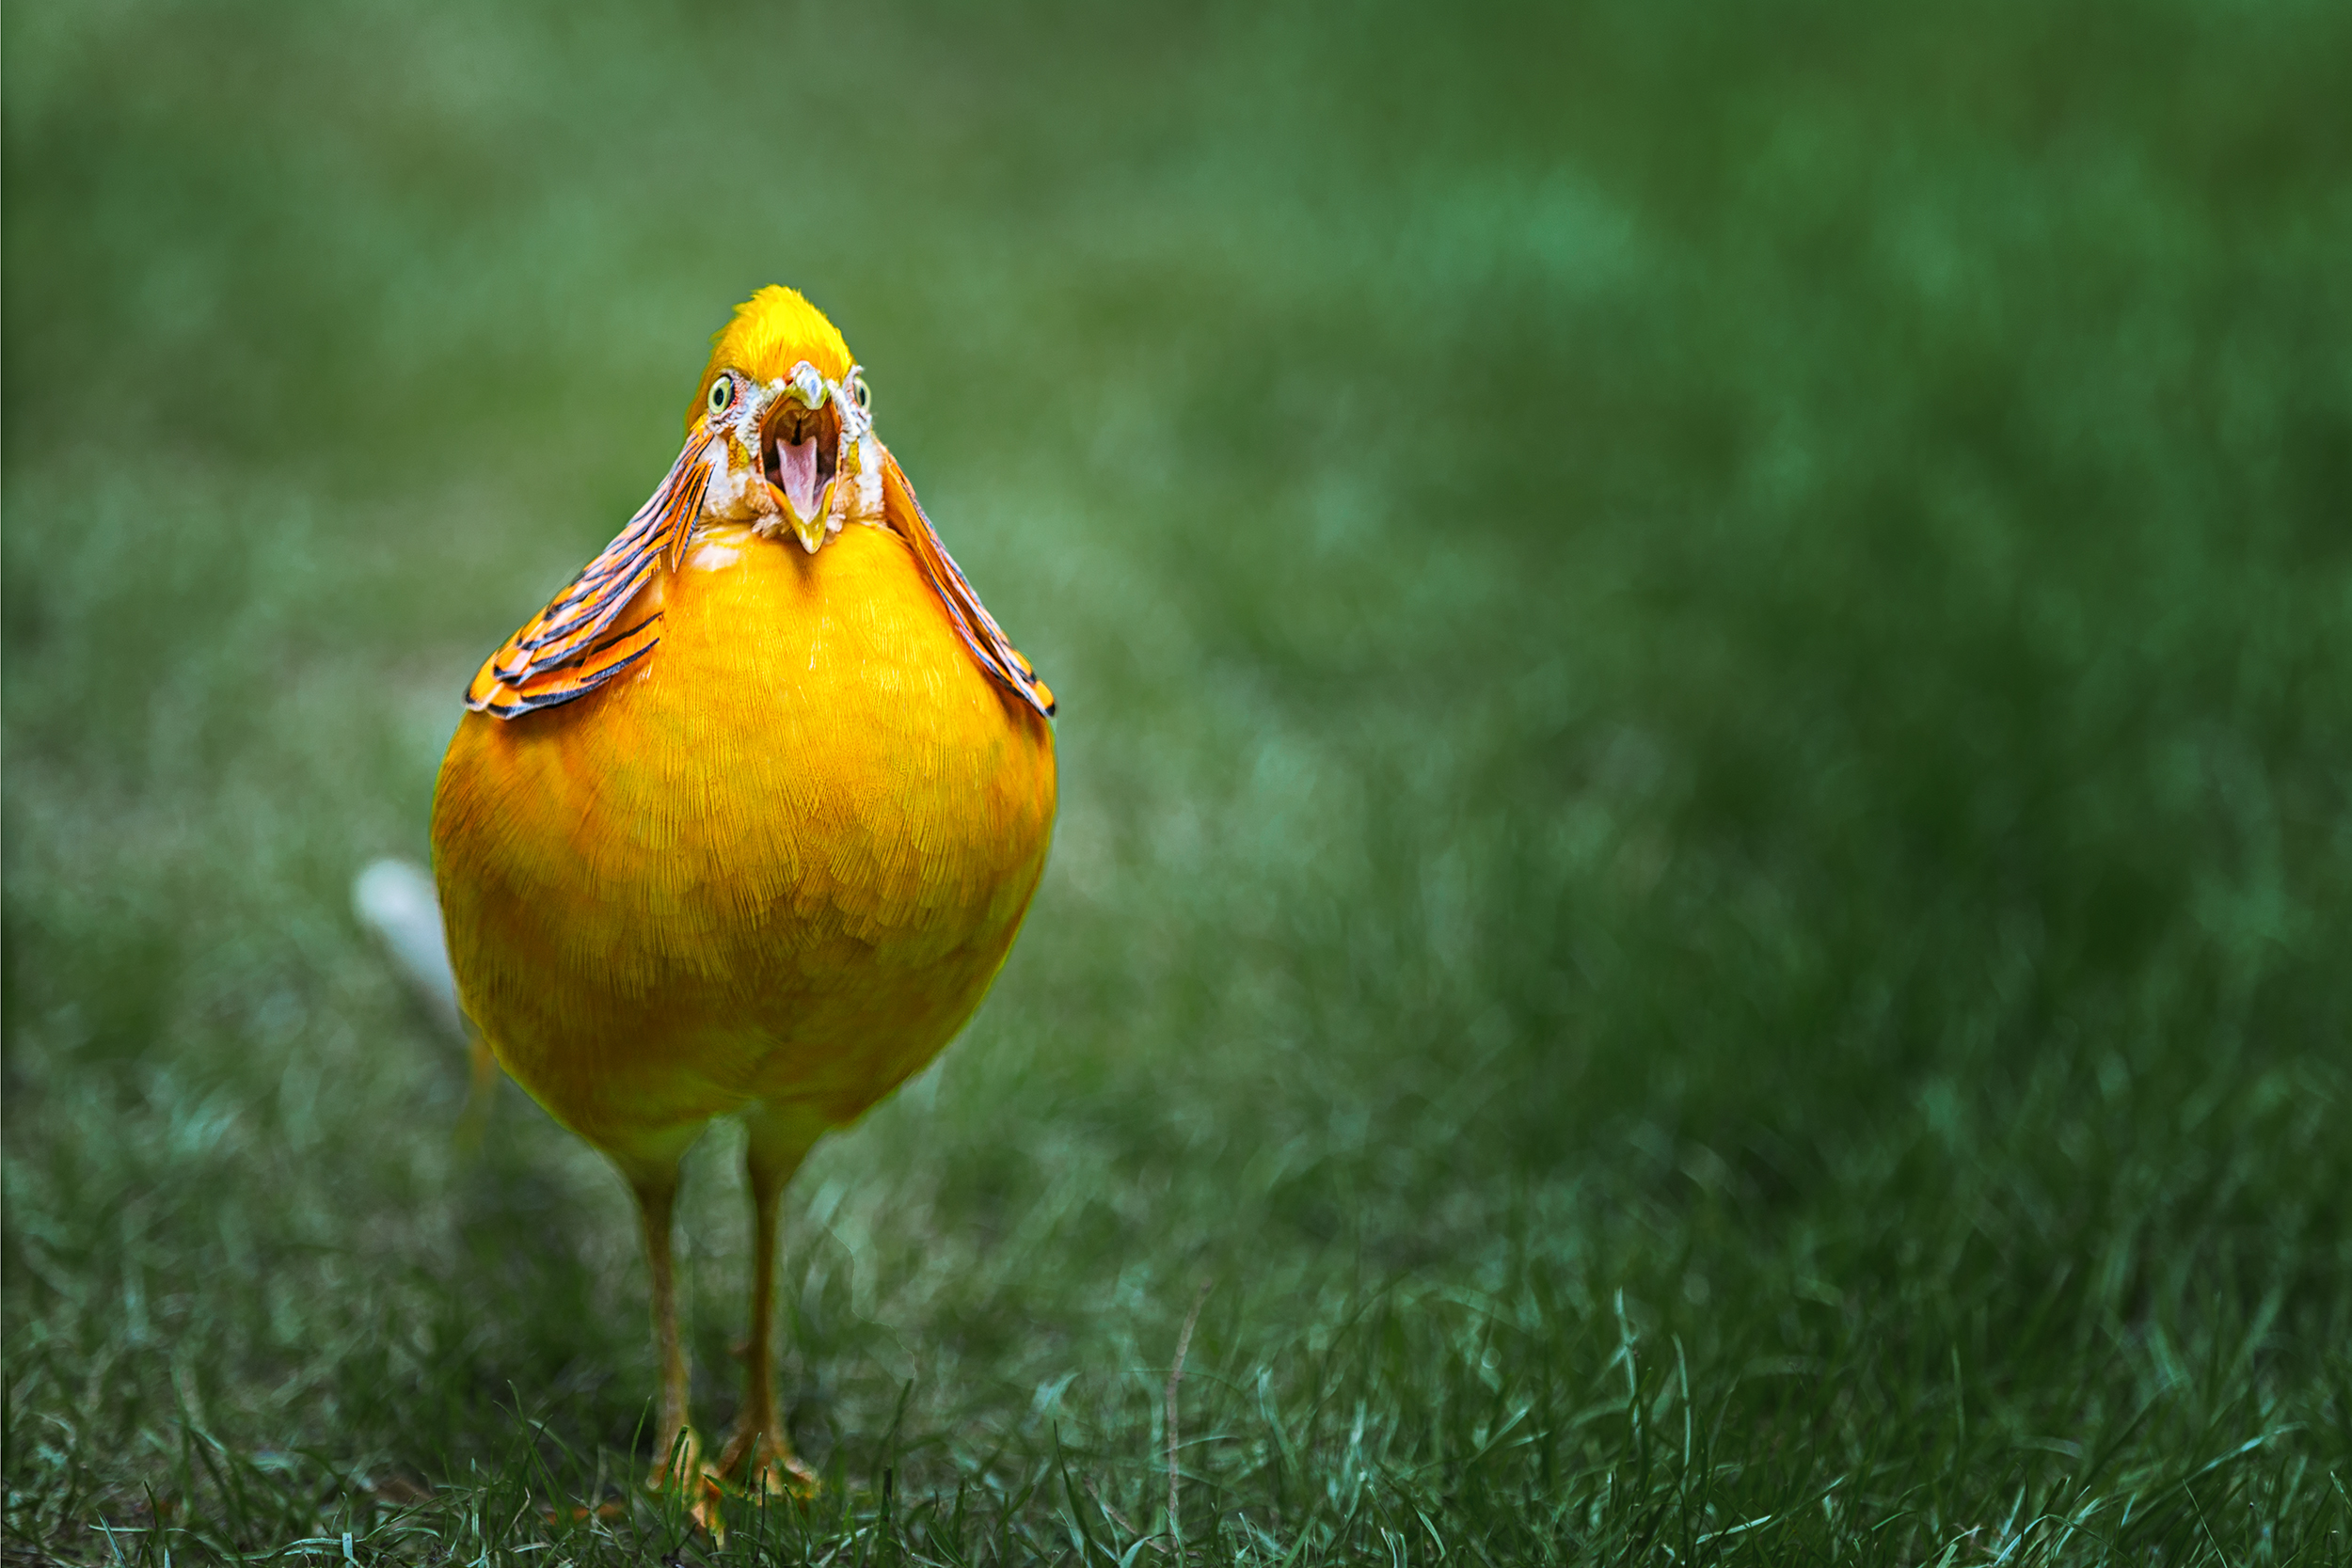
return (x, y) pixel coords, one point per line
(800, 452)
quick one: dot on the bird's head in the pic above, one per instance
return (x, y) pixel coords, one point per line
(787, 422)
(780, 435)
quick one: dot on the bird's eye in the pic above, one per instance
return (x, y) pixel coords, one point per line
(864, 394)
(722, 395)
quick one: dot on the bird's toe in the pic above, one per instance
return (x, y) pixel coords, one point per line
(761, 1460)
(680, 1461)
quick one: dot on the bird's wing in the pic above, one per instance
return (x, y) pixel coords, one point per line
(973, 622)
(582, 640)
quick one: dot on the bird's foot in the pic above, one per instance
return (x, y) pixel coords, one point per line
(681, 1455)
(703, 1496)
(680, 1469)
(758, 1458)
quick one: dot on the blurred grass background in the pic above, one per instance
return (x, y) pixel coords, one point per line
(1705, 863)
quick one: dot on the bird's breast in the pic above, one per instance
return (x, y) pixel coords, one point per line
(782, 856)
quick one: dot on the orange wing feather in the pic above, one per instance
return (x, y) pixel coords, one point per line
(973, 623)
(575, 646)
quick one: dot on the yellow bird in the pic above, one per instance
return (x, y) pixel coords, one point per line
(747, 818)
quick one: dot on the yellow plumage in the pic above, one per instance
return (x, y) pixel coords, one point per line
(758, 836)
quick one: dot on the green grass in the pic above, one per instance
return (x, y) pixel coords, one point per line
(1707, 851)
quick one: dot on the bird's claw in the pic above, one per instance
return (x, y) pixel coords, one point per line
(704, 1496)
(681, 1472)
(681, 1455)
(760, 1461)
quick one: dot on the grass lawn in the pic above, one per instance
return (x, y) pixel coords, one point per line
(1705, 879)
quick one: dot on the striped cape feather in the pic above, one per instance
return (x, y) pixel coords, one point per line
(583, 638)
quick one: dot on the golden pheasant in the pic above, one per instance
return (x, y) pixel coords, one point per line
(746, 820)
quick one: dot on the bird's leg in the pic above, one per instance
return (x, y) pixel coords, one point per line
(675, 1446)
(759, 1453)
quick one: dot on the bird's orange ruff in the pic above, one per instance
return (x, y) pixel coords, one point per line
(735, 825)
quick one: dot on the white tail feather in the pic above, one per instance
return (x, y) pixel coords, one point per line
(395, 899)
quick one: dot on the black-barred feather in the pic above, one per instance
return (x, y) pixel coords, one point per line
(570, 648)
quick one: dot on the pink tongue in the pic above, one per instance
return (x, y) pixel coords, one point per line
(798, 466)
